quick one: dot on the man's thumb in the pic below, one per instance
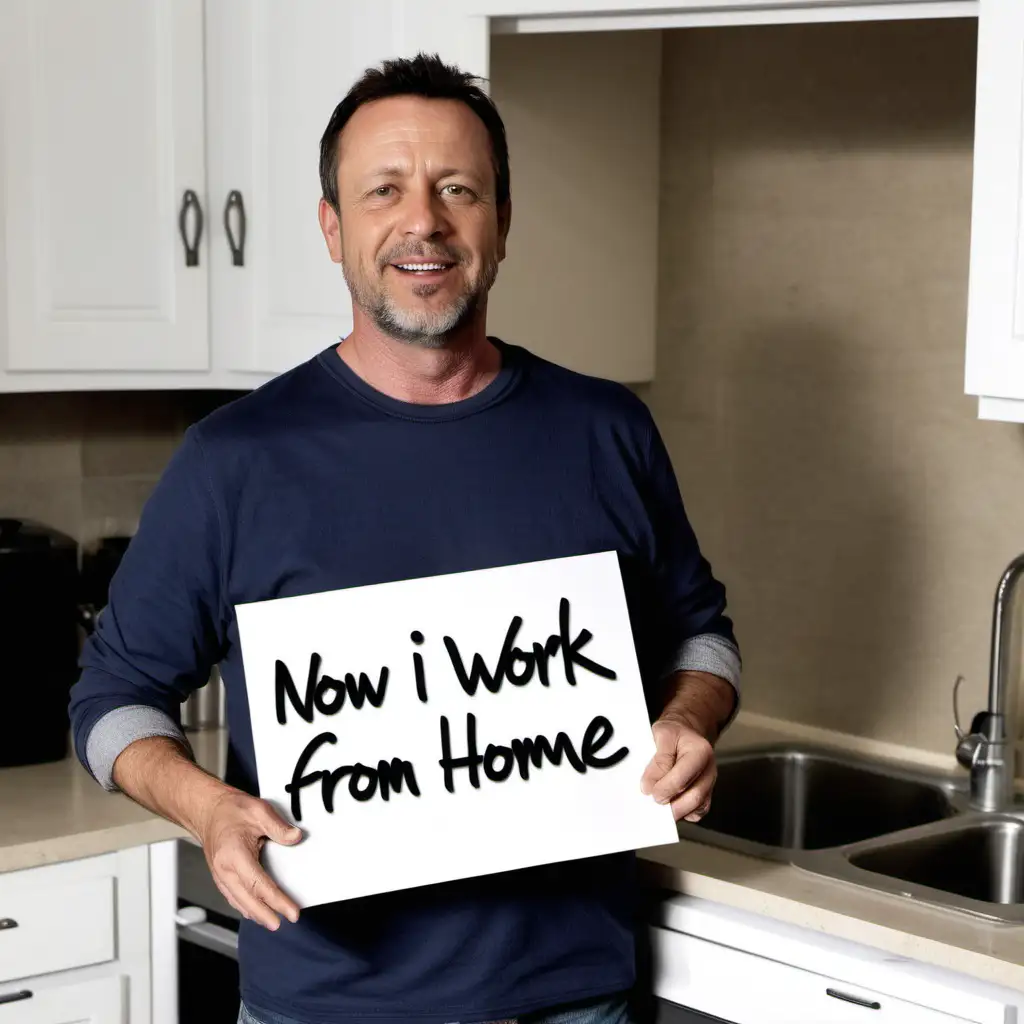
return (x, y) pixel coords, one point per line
(278, 830)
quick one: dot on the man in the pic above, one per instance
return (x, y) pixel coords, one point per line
(416, 446)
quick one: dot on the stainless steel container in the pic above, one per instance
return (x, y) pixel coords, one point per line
(205, 708)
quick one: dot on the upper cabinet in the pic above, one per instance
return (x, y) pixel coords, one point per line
(102, 160)
(275, 72)
(995, 311)
(159, 175)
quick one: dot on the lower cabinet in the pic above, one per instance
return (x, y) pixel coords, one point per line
(76, 942)
(89, 1002)
(747, 989)
(719, 964)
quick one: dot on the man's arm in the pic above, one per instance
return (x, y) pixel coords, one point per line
(230, 825)
(155, 642)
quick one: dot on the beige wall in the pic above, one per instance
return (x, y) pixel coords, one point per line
(815, 217)
(85, 463)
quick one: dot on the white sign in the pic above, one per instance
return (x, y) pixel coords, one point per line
(450, 726)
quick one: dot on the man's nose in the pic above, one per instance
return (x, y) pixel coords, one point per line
(423, 213)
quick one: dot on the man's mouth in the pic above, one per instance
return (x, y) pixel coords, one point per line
(418, 268)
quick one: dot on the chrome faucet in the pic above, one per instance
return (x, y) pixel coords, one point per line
(988, 749)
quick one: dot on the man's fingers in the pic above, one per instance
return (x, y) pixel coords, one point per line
(657, 769)
(690, 765)
(695, 802)
(264, 888)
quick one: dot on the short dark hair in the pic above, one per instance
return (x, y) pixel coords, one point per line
(423, 75)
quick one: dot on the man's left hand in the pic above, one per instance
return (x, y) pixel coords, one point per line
(683, 771)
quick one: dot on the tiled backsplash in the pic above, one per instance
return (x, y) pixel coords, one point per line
(85, 463)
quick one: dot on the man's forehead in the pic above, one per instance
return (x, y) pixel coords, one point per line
(405, 122)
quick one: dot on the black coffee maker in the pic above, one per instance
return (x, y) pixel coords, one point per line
(38, 641)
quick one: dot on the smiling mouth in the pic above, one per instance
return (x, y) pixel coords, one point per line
(422, 269)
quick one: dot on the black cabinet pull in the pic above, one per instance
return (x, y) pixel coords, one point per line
(15, 997)
(190, 201)
(237, 245)
(868, 1004)
(7, 923)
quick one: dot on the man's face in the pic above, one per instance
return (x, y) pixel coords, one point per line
(418, 232)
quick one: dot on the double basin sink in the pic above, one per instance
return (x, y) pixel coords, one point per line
(885, 826)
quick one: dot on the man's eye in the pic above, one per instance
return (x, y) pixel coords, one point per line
(382, 190)
(456, 191)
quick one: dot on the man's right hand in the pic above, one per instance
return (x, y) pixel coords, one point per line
(232, 826)
(233, 833)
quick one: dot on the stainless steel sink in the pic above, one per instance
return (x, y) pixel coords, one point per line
(774, 800)
(974, 864)
(876, 824)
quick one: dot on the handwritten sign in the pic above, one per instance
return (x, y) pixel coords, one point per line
(450, 726)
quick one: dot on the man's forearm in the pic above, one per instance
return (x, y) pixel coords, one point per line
(700, 700)
(157, 773)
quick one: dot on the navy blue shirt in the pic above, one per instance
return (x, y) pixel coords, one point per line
(316, 482)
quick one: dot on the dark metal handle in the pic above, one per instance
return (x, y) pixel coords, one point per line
(6, 923)
(868, 1004)
(15, 997)
(190, 201)
(237, 247)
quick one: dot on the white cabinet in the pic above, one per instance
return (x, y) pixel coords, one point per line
(124, 122)
(745, 968)
(276, 72)
(90, 1002)
(702, 975)
(995, 312)
(102, 148)
(76, 941)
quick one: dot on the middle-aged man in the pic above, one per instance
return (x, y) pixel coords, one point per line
(415, 446)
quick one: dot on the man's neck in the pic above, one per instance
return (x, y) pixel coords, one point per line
(466, 364)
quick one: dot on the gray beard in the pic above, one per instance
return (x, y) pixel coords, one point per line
(425, 330)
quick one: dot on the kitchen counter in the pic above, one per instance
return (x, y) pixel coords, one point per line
(56, 812)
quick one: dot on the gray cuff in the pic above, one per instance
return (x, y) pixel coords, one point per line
(121, 727)
(708, 652)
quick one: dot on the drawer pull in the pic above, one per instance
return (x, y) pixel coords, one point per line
(868, 1004)
(15, 997)
(7, 923)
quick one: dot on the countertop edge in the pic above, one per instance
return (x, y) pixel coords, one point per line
(75, 846)
(981, 966)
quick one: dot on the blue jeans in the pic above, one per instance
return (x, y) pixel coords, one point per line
(605, 1011)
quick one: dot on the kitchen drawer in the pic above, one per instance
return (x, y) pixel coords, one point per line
(744, 988)
(88, 1002)
(52, 923)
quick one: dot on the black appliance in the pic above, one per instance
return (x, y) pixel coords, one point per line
(99, 563)
(207, 944)
(38, 641)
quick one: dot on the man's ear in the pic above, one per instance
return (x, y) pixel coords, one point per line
(504, 223)
(330, 225)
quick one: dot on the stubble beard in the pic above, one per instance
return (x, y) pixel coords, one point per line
(425, 328)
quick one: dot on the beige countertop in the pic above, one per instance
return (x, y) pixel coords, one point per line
(56, 812)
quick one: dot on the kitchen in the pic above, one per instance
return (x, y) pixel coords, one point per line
(796, 227)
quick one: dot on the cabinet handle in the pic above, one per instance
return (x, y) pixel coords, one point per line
(190, 201)
(7, 923)
(237, 247)
(868, 1004)
(15, 997)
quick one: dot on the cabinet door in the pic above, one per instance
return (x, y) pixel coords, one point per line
(102, 139)
(89, 1002)
(275, 72)
(737, 986)
(995, 309)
